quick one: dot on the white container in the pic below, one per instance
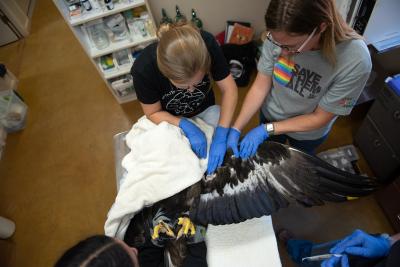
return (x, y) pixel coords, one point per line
(123, 86)
(12, 111)
(7, 228)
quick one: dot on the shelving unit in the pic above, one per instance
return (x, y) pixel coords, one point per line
(80, 25)
(94, 53)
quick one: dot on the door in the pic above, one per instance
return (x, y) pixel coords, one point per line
(8, 31)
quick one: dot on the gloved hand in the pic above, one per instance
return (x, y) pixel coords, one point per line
(252, 140)
(334, 261)
(217, 149)
(233, 141)
(196, 137)
(361, 244)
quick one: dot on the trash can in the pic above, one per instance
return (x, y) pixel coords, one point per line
(12, 111)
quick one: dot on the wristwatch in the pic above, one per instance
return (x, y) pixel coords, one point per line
(269, 127)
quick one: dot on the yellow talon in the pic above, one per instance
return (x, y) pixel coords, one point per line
(156, 229)
(187, 226)
(352, 198)
(163, 228)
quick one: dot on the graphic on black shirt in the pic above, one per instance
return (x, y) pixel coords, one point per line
(305, 80)
(183, 101)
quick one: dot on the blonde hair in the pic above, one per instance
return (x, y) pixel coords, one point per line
(181, 52)
(303, 16)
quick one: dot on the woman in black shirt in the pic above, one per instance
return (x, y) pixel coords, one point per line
(172, 79)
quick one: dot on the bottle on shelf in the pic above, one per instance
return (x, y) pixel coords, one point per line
(165, 19)
(195, 20)
(109, 4)
(86, 4)
(179, 18)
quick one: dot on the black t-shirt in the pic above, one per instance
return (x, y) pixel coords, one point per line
(152, 86)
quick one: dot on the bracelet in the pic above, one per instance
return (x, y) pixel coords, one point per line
(387, 237)
(237, 129)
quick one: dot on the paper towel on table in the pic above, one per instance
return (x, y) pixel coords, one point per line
(250, 243)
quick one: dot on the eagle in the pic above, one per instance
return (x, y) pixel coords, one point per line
(275, 177)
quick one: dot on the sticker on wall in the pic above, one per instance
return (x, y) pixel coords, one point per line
(283, 70)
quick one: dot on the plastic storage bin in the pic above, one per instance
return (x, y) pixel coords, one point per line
(12, 111)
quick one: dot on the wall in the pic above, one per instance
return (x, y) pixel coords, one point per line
(215, 13)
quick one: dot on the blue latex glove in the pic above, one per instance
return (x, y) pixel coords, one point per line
(233, 141)
(252, 140)
(217, 149)
(361, 244)
(196, 137)
(334, 261)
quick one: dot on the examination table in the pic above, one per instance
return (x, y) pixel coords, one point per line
(251, 243)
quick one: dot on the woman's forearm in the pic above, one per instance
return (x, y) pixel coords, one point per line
(160, 116)
(155, 113)
(395, 238)
(253, 100)
(229, 100)
(304, 123)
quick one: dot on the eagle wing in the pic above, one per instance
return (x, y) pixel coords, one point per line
(272, 179)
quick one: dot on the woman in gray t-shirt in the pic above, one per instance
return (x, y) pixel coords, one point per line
(312, 69)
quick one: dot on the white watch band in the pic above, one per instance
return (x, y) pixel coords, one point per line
(269, 127)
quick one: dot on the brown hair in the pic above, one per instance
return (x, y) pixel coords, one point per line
(181, 52)
(96, 251)
(302, 16)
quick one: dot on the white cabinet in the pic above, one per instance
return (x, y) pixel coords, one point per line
(15, 19)
(112, 38)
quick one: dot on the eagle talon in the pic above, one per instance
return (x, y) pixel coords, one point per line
(164, 228)
(187, 226)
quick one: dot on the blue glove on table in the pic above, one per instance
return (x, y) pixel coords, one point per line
(252, 140)
(196, 137)
(233, 141)
(361, 244)
(217, 149)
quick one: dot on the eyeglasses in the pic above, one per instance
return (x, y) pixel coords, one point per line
(192, 86)
(289, 49)
(188, 87)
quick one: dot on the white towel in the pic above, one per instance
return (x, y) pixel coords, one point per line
(161, 163)
(250, 243)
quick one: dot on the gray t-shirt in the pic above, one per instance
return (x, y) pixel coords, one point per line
(308, 80)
